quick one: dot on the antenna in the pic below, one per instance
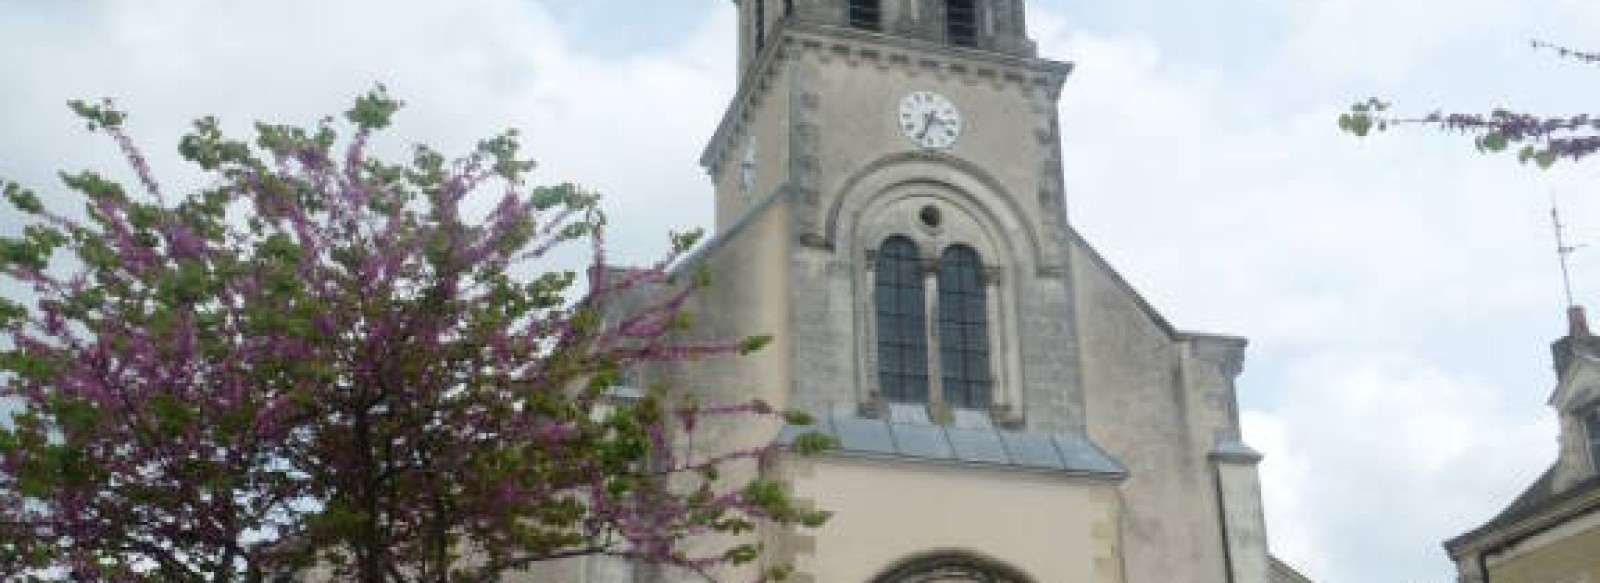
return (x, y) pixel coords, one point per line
(1563, 250)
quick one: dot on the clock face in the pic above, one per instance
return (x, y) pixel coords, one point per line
(929, 119)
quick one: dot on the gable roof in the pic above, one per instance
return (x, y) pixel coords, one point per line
(1540, 496)
(1281, 572)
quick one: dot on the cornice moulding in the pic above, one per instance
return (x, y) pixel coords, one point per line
(793, 39)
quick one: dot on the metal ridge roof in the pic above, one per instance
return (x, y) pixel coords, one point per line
(1064, 452)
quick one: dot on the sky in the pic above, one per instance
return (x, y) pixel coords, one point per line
(1399, 291)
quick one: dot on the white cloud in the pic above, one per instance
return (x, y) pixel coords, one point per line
(1382, 43)
(1372, 462)
(1398, 290)
(629, 127)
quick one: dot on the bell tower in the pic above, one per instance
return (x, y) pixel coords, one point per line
(997, 25)
(924, 121)
(890, 208)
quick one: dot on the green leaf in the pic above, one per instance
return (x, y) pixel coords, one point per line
(1493, 142)
(186, 285)
(28, 366)
(754, 343)
(796, 417)
(742, 554)
(1358, 122)
(813, 518)
(75, 416)
(22, 253)
(702, 275)
(34, 483)
(25, 200)
(102, 115)
(765, 493)
(172, 415)
(375, 110)
(780, 572)
(685, 240)
(11, 313)
(812, 443)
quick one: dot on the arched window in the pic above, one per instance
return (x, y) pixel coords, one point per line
(867, 14)
(902, 323)
(1592, 427)
(961, 22)
(760, 25)
(963, 329)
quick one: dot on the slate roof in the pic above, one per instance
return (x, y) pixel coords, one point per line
(966, 445)
(1539, 496)
(1281, 572)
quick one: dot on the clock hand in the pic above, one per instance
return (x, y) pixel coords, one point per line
(927, 124)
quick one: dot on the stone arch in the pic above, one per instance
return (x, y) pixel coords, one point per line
(886, 199)
(963, 183)
(951, 567)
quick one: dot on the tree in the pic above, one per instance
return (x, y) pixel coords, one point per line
(320, 360)
(1540, 139)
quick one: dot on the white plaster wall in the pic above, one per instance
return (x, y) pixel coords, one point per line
(747, 296)
(1247, 532)
(1139, 407)
(1051, 526)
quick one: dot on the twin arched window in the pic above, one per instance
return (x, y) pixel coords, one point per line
(961, 22)
(867, 14)
(960, 19)
(961, 306)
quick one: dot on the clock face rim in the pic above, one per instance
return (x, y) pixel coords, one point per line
(920, 102)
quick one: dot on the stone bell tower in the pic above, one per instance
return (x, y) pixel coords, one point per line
(890, 207)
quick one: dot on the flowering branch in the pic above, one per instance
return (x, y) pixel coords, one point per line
(319, 362)
(1540, 139)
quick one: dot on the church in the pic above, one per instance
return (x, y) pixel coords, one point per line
(890, 208)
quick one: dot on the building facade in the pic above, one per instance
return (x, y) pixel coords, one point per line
(1551, 532)
(890, 208)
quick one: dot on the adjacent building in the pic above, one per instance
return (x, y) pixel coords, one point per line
(1551, 532)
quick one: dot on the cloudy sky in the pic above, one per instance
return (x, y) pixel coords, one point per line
(1399, 291)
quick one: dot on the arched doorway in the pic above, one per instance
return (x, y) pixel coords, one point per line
(951, 567)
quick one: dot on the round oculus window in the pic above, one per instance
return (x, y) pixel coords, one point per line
(930, 216)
